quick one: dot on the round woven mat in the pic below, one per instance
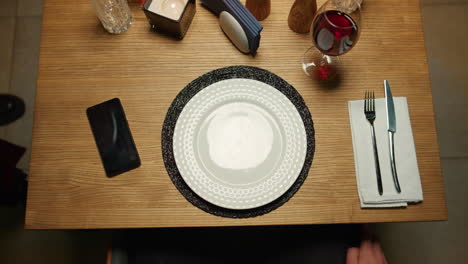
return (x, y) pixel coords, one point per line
(245, 72)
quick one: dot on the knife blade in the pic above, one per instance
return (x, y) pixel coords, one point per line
(391, 126)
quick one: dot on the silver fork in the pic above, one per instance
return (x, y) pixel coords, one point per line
(369, 111)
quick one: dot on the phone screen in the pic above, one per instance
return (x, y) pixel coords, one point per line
(113, 137)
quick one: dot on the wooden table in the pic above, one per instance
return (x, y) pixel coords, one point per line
(81, 65)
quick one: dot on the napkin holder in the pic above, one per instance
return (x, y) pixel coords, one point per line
(241, 16)
(175, 27)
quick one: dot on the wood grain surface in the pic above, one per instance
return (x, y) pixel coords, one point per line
(81, 65)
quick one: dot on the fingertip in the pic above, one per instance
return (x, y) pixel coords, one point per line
(379, 252)
(366, 251)
(366, 244)
(352, 256)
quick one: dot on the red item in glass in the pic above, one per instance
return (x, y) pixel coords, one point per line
(334, 32)
(325, 72)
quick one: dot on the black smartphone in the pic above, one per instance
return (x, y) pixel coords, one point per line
(113, 137)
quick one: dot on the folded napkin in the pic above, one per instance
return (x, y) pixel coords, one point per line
(405, 156)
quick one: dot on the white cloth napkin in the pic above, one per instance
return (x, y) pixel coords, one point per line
(405, 156)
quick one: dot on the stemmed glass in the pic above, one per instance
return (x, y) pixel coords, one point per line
(335, 30)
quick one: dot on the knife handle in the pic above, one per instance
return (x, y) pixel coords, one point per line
(392, 161)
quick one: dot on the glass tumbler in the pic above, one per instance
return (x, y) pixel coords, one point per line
(115, 15)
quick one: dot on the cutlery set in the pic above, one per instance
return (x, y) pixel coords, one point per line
(369, 111)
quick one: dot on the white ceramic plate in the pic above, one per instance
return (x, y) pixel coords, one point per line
(239, 143)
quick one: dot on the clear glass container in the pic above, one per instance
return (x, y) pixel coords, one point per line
(115, 15)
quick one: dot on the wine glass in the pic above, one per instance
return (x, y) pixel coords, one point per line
(335, 30)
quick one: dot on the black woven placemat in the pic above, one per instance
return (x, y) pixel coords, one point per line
(245, 72)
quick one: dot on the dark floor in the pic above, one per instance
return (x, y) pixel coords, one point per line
(445, 25)
(269, 245)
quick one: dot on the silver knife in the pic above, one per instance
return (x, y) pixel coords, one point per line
(391, 126)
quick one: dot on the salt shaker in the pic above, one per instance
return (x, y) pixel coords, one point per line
(301, 15)
(259, 8)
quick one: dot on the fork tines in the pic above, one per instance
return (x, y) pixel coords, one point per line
(369, 102)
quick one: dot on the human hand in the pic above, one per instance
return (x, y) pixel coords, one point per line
(370, 252)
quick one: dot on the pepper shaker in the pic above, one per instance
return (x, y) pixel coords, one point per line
(259, 8)
(301, 15)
